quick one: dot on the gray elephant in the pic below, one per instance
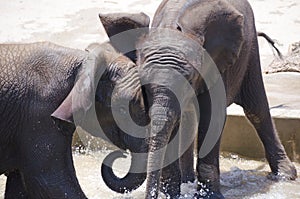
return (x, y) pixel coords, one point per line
(226, 30)
(42, 82)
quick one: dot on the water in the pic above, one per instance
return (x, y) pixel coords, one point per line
(240, 178)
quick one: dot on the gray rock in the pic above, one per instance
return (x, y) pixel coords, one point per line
(289, 63)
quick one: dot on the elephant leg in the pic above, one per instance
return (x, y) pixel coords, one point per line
(15, 188)
(254, 101)
(47, 164)
(188, 129)
(208, 172)
(171, 176)
(171, 180)
(187, 165)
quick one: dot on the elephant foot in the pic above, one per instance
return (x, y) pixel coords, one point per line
(285, 170)
(171, 190)
(205, 191)
(202, 194)
(189, 177)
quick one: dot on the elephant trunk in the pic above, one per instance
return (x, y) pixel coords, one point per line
(164, 117)
(133, 179)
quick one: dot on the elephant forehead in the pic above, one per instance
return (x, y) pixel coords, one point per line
(162, 41)
(169, 49)
(170, 37)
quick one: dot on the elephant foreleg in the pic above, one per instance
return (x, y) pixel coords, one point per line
(208, 172)
(187, 165)
(171, 176)
(171, 180)
(15, 188)
(47, 165)
(188, 129)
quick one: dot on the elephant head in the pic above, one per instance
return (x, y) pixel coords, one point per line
(172, 52)
(106, 95)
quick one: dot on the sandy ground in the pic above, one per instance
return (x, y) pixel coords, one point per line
(72, 23)
(75, 23)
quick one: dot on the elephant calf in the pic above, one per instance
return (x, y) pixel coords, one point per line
(172, 60)
(40, 80)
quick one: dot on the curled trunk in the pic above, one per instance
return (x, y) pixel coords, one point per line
(132, 180)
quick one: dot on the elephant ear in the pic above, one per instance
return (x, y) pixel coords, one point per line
(220, 26)
(80, 98)
(79, 103)
(124, 30)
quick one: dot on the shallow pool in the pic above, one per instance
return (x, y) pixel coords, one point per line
(240, 178)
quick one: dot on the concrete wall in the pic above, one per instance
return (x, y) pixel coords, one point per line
(240, 137)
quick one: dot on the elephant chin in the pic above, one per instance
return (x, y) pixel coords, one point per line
(130, 181)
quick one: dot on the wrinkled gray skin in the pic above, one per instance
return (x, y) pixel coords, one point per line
(40, 79)
(226, 30)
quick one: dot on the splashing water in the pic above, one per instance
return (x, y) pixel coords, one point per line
(240, 178)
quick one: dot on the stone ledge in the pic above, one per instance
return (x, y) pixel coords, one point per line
(240, 137)
(283, 92)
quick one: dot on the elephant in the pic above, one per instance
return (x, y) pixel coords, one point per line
(34, 154)
(46, 90)
(181, 34)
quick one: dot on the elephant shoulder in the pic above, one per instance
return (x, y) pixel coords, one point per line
(41, 69)
(53, 68)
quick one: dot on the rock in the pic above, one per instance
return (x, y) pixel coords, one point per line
(289, 63)
(294, 48)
